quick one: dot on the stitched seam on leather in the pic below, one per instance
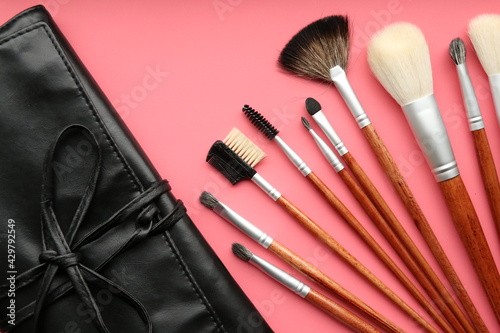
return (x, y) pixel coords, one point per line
(213, 315)
(17, 18)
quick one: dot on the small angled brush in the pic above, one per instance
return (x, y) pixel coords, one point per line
(484, 32)
(399, 58)
(306, 268)
(235, 169)
(312, 296)
(436, 288)
(272, 133)
(320, 51)
(483, 151)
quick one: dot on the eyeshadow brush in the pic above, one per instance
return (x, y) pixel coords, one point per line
(320, 51)
(444, 299)
(311, 295)
(294, 260)
(263, 125)
(484, 32)
(235, 168)
(399, 58)
(476, 124)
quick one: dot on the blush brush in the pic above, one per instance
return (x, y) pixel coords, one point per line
(294, 260)
(271, 133)
(235, 167)
(399, 58)
(484, 32)
(320, 51)
(476, 124)
(311, 295)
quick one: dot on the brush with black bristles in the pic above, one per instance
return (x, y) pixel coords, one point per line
(303, 290)
(435, 289)
(320, 51)
(484, 33)
(235, 167)
(272, 133)
(294, 260)
(399, 58)
(476, 124)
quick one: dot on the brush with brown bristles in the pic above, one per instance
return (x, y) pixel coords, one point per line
(399, 58)
(484, 157)
(484, 32)
(293, 259)
(311, 295)
(271, 132)
(320, 51)
(234, 159)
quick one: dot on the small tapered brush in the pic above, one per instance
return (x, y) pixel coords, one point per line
(399, 58)
(443, 298)
(320, 51)
(235, 168)
(484, 32)
(306, 268)
(271, 133)
(484, 157)
(312, 296)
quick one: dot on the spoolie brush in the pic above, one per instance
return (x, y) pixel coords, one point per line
(235, 169)
(389, 224)
(306, 268)
(483, 151)
(312, 296)
(484, 32)
(399, 57)
(272, 133)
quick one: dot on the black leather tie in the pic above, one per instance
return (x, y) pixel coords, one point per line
(60, 251)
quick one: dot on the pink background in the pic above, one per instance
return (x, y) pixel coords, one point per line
(211, 57)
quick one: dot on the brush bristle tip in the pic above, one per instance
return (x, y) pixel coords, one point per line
(208, 200)
(241, 252)
(312, 106)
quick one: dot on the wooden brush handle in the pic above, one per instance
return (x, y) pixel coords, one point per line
(335, 246)
(472, 235)
(313, 273)
(444, 300)
(394, 174)
(489, 174)
(335, 310)
(376, 248)
(389, 234)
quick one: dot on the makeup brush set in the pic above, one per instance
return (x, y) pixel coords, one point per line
(399, 58)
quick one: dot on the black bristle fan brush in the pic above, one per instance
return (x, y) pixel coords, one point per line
(399, 58)
(320, 51)
(234, 159)
(271, 132)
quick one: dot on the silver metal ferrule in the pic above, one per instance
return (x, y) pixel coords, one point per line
(495, 92)
(245, 226)
(299, 163)
(266, 187)
(327, 152)
(428, 127)
(284, 278)
(340, 80)
(327, 128)
(470, 99)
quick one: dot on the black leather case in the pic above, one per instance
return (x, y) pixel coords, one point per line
(152, 267)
